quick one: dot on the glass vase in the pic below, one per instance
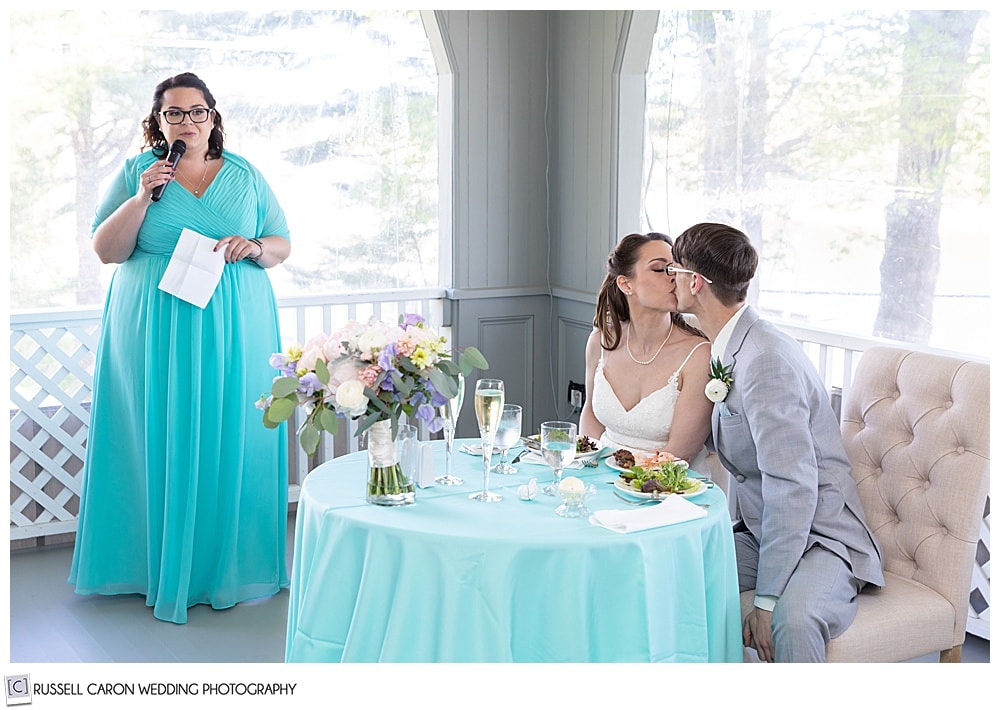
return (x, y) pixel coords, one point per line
(389, 480)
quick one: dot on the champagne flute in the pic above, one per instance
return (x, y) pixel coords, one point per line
(489, 407)
(558, 449)
(449, 411)
(507, 435)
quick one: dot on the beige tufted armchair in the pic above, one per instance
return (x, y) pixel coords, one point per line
(916, 429)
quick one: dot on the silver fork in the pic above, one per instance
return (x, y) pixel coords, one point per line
(629, 501)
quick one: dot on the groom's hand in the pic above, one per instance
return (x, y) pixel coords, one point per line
(757, 634)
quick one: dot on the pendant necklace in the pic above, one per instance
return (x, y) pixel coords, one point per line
(197, 190)
(650, 360)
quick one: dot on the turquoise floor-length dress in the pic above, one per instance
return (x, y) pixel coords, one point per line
(184, 494)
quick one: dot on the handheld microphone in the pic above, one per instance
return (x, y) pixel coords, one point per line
(177, 149)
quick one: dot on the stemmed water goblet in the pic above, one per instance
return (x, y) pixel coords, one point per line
(449, 411)
(508, 434)
(558, 443)
(489, 407)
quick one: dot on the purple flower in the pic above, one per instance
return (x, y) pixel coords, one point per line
(387, 358)
(309, 383)
(428, 414)
(411, 319)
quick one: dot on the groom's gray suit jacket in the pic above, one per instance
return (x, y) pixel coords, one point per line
(779, 437)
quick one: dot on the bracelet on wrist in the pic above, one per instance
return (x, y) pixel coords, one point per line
(259, 246)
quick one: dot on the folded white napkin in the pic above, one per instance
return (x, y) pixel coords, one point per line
(673, 509)
(538, 460)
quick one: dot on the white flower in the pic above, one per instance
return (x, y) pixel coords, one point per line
(351, 399)
(378, 335)
(716, 390)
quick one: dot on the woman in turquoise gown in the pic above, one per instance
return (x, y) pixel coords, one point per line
(184, 494)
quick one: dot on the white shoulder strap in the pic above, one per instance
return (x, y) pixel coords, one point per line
(703, 342)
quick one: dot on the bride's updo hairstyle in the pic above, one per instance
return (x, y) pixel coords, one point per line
(612, 305)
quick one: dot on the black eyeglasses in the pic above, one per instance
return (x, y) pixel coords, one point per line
(174, 116)
(674, 270)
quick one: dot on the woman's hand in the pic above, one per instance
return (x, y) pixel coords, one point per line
(239, 248)
(159, 173)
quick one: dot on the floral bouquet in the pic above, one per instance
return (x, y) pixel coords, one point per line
(373, 372)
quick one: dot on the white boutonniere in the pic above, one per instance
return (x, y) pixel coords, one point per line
(717, 388)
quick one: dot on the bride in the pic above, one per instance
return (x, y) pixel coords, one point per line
(646, 366)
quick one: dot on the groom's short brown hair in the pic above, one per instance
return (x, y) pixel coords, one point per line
(720, 253)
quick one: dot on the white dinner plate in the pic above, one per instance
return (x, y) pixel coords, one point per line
(624, 487)
(614, 465)
(610, 461)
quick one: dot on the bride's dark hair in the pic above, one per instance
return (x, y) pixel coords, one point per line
(612, 306)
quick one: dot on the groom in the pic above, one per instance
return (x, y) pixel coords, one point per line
(801, 539)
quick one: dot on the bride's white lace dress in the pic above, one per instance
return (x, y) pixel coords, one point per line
(645, 428)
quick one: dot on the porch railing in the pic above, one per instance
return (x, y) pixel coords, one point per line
(52, 358)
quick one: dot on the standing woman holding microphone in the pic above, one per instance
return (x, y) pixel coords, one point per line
(184, 495)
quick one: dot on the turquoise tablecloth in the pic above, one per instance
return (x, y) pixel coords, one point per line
(450, 579)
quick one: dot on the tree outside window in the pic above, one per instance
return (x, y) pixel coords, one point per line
(852, 147)
(337, 109)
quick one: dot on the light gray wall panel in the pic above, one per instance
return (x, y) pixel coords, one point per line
(499, 189)
(516, 335)
(534, 203)
(575, 322)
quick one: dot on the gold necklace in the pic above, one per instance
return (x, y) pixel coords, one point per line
(656, 354)
(197, 190)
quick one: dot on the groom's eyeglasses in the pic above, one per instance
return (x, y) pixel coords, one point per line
(674, 270)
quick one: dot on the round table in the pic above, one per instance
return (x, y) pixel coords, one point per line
(449, 579)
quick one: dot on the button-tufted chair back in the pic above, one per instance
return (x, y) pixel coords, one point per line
(916, 429)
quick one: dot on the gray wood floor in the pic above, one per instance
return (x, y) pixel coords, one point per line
(51, 624)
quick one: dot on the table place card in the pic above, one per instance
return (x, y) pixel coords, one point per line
(425, 466)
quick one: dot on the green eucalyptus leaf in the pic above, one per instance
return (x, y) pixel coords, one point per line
(444, 383)
(404, 385)
(373, 398)
(268, 422)
(322, 372)
(470, 359)
(366, 421)
(281, 409)
(284, 386)
(448, 366)
(309, 438)
(328, 420)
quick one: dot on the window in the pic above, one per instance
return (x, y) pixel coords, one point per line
(853, 148)
(338, 109)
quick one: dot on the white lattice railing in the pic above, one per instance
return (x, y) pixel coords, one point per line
(52, 364)
(52, 357)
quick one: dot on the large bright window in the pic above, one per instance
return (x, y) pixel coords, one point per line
(337, 109)
(852, 147)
